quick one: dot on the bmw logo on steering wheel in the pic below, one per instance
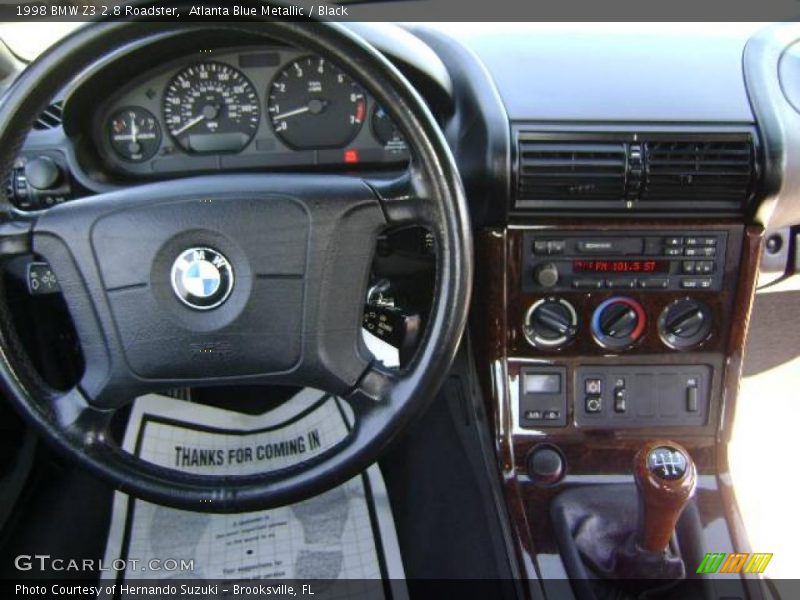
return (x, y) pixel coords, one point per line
(202, 278)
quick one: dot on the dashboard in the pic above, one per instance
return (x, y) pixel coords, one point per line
(243, 108)
(621, 192)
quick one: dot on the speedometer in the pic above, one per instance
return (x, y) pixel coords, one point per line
(211, 107)
(312, 104)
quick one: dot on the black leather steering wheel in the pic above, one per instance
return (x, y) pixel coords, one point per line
(299, 248)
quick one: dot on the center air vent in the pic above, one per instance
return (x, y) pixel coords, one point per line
(691, 171)
(636, 172)
(563, 170)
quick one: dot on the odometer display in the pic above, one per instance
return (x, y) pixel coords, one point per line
(312, 104)
(620, 266)
(211, 107)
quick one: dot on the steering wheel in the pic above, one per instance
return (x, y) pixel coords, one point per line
(291, 255)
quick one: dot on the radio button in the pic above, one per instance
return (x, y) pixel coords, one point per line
(549, 246)
(690, 266)
(587, 284)
(673, 241)
(705, 266)
(705, 251)
(673, 251)
(621, 282)
(699, 283)
(701, 241)
(652, 283)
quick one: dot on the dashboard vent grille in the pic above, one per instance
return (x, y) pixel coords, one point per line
(562, 170)
(633, 171)
(50, 118)
(690, 171)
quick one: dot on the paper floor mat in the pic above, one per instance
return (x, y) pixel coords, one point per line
(347, 533)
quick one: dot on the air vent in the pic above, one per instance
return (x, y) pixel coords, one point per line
(50, 117)
(563, 170)
(636, 171)
(688, 171)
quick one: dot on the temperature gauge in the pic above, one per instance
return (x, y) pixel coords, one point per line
(134, 134)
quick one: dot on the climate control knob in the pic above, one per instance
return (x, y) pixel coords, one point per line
(550, 323)
(546, 275)
(685, 324)
(618, 322)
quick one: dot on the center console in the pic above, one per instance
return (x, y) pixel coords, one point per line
(599, 338)
(586, 295)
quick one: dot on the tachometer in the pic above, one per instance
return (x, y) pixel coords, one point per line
(211, 107)
(312, 104)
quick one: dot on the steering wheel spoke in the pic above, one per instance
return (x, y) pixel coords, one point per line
(80, 419)
(406, 199)
(15, 236)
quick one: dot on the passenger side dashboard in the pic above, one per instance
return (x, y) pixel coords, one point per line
(613, 294)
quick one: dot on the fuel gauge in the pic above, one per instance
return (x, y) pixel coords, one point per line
(134, 133)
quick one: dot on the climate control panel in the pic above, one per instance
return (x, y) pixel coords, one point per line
(679, 260)
(617, 323)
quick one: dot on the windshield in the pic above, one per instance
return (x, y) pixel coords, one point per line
(28, 40)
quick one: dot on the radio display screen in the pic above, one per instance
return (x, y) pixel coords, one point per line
(620, 266)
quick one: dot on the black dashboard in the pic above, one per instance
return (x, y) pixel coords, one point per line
(509, 99)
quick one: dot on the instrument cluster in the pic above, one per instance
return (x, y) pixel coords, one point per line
(271, 108)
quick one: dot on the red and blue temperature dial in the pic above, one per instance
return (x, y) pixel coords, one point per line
(618, 323)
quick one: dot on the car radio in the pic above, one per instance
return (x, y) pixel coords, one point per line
(680, 260)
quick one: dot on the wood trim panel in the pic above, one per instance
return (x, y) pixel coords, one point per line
(598, 455)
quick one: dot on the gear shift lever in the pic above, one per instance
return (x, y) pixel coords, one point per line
(666, 478)
(621, 547)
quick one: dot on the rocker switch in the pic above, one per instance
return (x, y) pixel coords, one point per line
(620, 401)
(691, 396)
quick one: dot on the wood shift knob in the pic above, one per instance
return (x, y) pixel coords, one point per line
(666, 478)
